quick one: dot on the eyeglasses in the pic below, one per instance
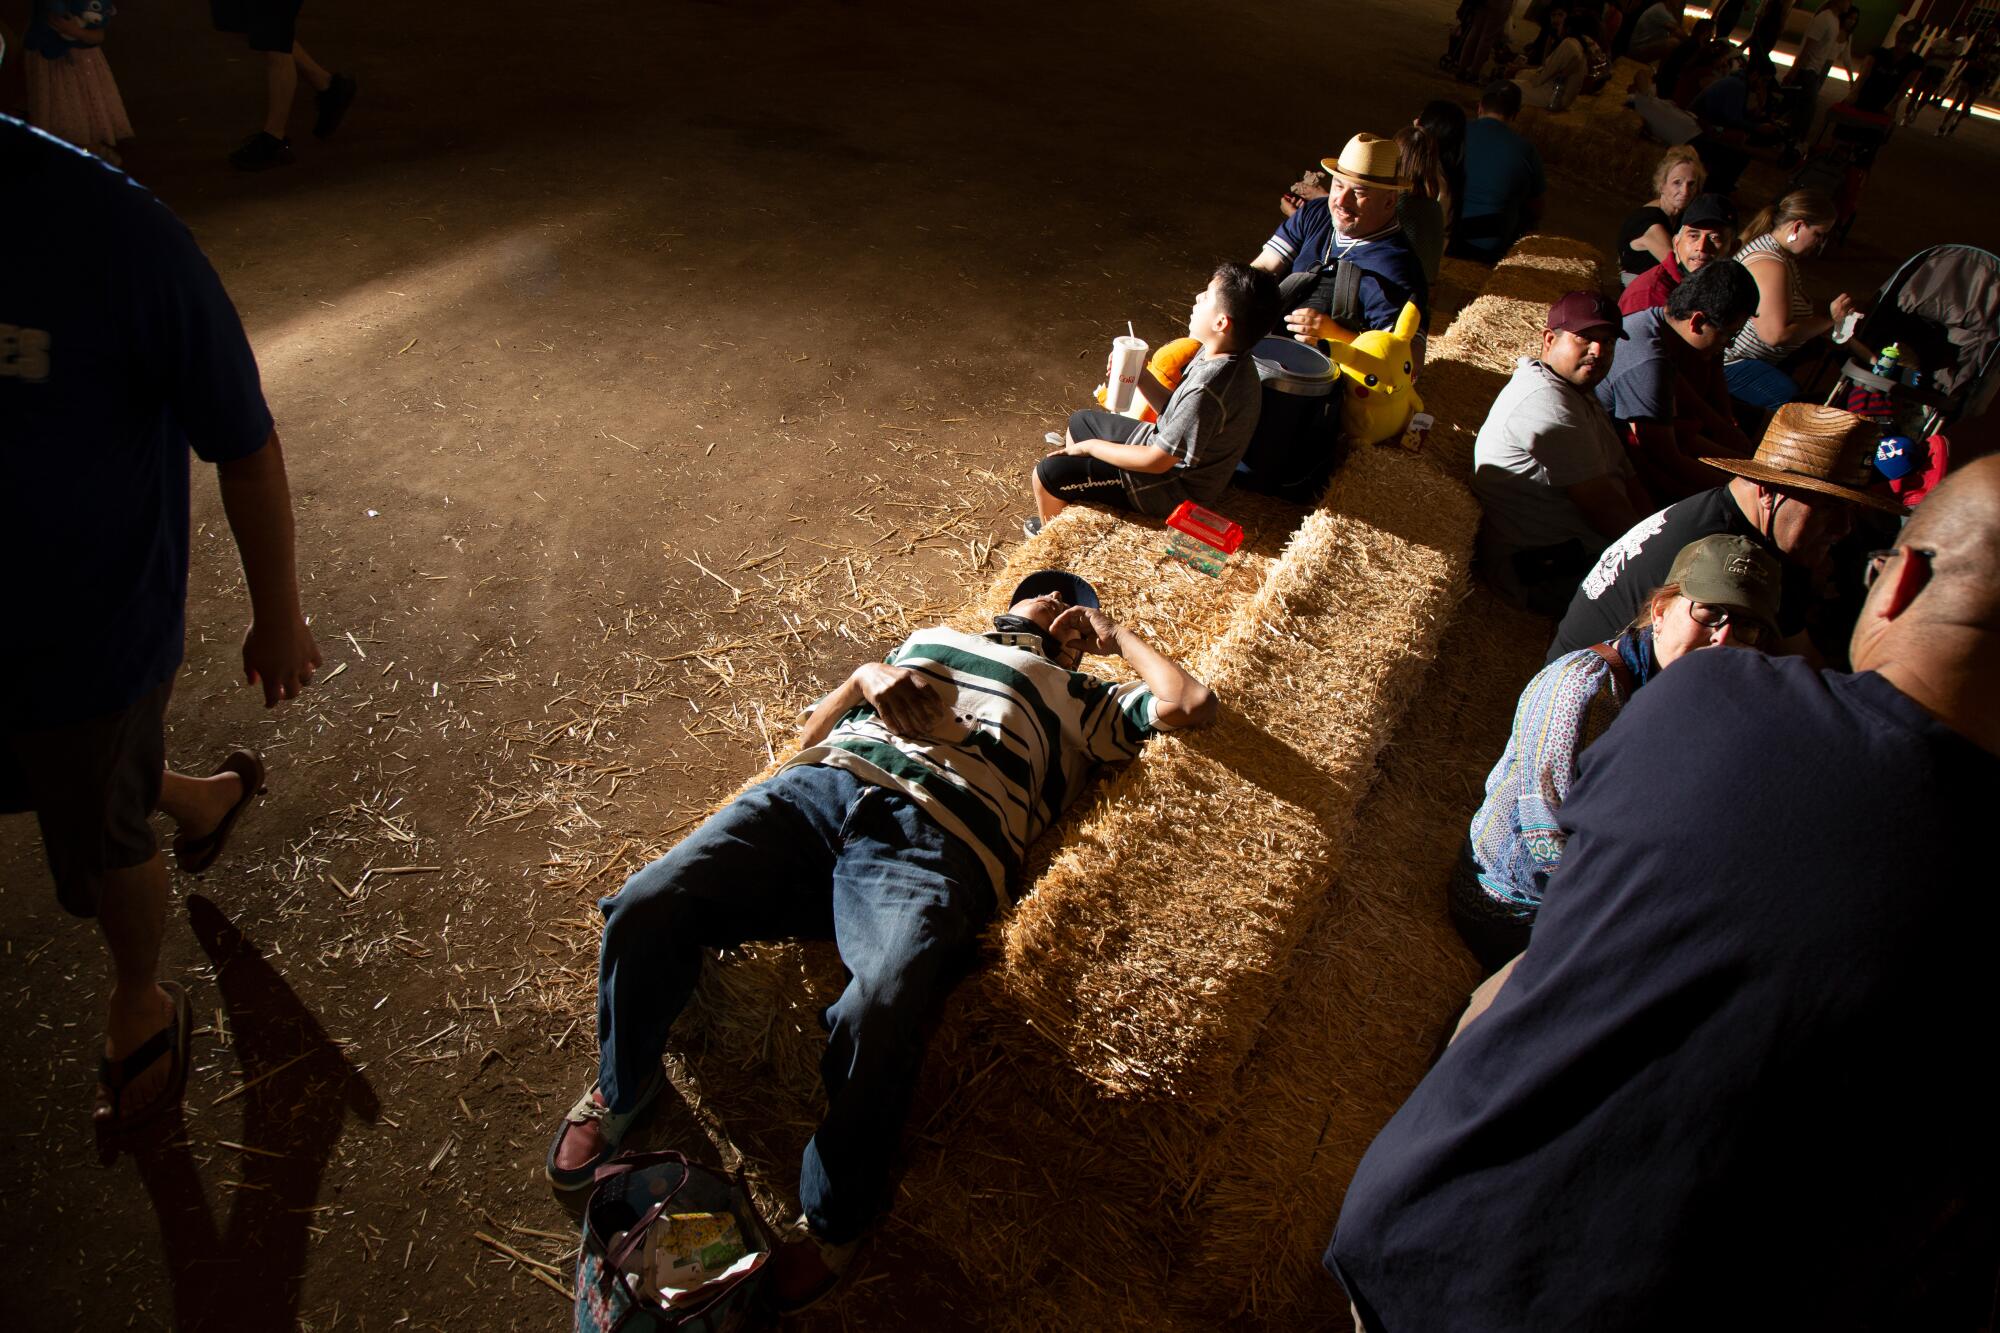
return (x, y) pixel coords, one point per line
(1708, 615)
(1879, 561)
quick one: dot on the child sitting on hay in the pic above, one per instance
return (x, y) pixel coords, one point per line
(919, 785)
(1205, 423)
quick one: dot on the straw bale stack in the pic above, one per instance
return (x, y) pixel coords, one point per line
(1458, 393)
(1075, 1141)
(1373, 992)
(1153, 969)
(1458, 281)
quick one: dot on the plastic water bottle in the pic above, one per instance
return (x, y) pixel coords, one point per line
(1888, 362)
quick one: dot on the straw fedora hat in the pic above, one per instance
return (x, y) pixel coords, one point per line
(1815, 449)
(1368, 161)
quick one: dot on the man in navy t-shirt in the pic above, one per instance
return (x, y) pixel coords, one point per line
(1353, 227)
(109, 372)
(1738, 1077)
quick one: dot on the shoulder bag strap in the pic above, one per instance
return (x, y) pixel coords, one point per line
(1621, 674)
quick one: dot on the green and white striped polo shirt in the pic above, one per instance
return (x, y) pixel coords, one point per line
(1024, 737)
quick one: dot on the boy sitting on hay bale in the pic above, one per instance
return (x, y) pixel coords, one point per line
(919, 784)
(1205, 424)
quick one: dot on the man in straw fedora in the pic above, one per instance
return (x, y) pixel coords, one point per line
(918, 786)
(1344, 264)
(1796, 497)
(1734, 1079)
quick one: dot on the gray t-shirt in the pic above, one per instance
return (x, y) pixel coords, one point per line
(1542, 436)
(1206, 426)
(1640, 386)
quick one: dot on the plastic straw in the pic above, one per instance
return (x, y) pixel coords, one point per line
(1128, 330)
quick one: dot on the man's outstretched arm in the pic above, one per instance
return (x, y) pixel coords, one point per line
(278, 652)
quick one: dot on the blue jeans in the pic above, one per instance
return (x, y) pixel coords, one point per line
(814, 853)
(1761, 384)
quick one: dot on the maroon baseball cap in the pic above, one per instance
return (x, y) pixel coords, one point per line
(1587, 314)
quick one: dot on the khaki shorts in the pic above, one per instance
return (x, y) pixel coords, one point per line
(93, 786)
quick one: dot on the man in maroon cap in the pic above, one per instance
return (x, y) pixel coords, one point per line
(1555, 481)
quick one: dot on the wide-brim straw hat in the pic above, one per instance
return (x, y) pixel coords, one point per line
(1369, 161)
(1816, 449)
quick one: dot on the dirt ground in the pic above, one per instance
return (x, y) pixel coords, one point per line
(640, 371)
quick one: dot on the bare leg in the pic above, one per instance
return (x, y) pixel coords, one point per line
(314, 74)
(281, 82)
(197, 805)
(132, 913)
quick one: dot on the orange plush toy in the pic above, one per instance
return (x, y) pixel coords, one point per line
(1167, 365)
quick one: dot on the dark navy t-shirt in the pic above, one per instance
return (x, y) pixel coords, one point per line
(118, 350)
(1503, 175)
(1739, 1079)
(1392, 273)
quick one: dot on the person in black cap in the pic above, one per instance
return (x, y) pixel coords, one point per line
(918, 786)
(1707, 233)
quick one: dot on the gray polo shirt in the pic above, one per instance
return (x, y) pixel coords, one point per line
(1542, 436)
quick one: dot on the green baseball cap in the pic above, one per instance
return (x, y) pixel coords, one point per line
(1730, 571)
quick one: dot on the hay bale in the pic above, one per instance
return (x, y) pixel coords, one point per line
(1129, 964)
(1459, 393)
(1458, 281)
(1374, 989)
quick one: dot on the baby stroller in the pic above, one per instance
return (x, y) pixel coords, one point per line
(1942, 310)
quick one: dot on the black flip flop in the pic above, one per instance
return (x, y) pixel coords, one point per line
(194, 855)
(173, 1041)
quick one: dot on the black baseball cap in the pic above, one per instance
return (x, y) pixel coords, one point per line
(1072, 589)
(1710, 212)
(1588, 315)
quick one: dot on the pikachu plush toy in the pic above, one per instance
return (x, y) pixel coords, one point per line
(1377, 399)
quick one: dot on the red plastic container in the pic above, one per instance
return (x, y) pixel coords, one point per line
(1205, 525)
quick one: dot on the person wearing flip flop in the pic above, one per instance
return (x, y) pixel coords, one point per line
(919, 784)
(109, 372)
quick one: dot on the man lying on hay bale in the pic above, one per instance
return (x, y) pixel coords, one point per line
(918, 787)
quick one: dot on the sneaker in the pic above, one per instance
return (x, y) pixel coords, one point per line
(805, 1270)
(262, 151)
(589, 1137)
(333, 104)
(1031, 528)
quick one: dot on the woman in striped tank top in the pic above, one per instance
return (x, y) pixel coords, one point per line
(1774, 242)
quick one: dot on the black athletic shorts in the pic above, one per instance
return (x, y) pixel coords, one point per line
(1081, 479)
(271, 25)
(93, 786)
